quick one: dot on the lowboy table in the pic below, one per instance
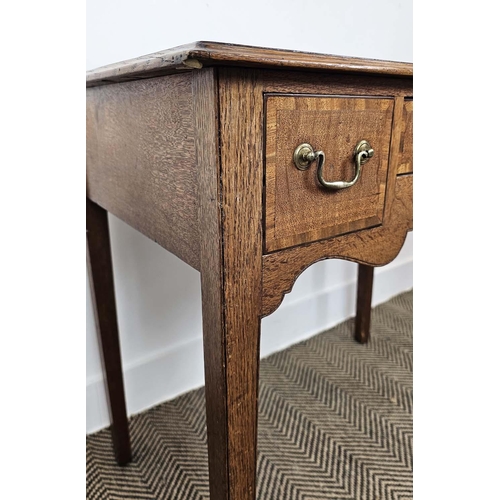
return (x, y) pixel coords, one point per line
(250, 165)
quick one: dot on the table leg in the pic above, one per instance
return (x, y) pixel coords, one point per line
(231, 348)
(364, 303)
(230, 214)
(103, 297)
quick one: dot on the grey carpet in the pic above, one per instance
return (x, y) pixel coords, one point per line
(335, 422)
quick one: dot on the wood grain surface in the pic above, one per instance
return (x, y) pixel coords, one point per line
(205, 93)
(376, 247)
(241, 156)
(141, 159)
(199, 54)
(298, 208)
(406, 139)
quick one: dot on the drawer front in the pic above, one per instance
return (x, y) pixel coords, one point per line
(406, 139)
(298, 209)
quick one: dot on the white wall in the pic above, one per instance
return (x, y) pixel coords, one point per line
(159, 302)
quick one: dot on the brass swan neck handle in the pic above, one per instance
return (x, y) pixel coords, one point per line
(304, 155)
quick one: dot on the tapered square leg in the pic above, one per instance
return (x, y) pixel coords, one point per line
(103, 297)
(364, 303)
(231, 275)
(231, 350)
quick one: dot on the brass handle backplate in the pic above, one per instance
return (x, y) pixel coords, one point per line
(304, 155)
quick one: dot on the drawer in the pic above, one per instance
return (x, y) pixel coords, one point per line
(406, 139)
(298, 208)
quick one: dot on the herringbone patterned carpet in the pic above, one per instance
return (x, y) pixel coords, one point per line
(335, 422)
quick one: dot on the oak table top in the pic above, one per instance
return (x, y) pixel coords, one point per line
(207, 54)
